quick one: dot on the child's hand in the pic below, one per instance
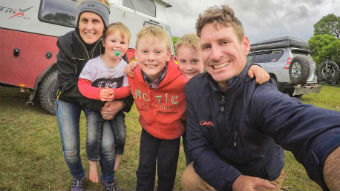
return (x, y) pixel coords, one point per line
(260, 74)
(106, 94)
(130, 67)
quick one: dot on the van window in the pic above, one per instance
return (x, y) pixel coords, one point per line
(61, 12)
(147, 7)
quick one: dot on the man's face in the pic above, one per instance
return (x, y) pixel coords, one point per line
(152, 54)
(224, 55)
(91, 27)
(189, 61)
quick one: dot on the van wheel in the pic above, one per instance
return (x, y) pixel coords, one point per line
(299, 70)
(328, 72)
(48, 92)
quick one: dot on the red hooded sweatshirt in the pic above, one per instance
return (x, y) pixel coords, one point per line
(161, 109)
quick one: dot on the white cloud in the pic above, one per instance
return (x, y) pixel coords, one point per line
(262, 19)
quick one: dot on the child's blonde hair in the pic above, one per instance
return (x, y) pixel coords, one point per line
(189, 40)
(118, 26)
(153, 31)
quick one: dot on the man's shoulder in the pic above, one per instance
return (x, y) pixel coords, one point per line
(264, 93)
(196, 82)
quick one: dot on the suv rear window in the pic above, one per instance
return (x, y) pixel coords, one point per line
(266, 56)
(61, 12)
(300, 51)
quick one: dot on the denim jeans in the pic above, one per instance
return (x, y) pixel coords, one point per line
(94, 132)
(94, 127)
(108, 153)
(68, 116)
(119, 130)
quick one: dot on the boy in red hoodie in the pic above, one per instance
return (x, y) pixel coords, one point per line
(158, 91)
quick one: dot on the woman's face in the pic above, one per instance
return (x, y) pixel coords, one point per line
(91, 27)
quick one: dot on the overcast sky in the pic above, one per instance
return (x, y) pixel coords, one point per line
(261, 19)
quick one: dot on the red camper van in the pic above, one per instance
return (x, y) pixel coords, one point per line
(29, 31)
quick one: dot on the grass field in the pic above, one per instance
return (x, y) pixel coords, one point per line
(31, 156)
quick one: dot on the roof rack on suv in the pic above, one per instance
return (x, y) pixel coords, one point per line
(285, 41)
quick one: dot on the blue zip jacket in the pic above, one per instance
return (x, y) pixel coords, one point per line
(239, 131)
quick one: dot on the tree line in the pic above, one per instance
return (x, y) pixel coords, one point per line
(325, 44)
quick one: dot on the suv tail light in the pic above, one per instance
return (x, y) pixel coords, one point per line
(288, 63)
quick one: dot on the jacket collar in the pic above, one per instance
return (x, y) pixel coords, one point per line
(155, 83)
(80, 48)
(234, 84)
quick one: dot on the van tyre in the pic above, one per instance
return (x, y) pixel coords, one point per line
(299, 70)
(329, 72)
(48, 92)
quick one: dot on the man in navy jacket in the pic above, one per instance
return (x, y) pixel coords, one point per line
(235, 129)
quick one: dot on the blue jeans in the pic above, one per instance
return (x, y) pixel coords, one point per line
(94, 124)
(68, 116)
(119, 131)
(94, 132)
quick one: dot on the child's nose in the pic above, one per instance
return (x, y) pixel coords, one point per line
(151, 56)
(189, 67)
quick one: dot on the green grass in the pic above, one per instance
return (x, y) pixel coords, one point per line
(31, 155)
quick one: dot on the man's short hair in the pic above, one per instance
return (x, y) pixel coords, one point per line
(189, 40)
(153, 31)
(224, 16)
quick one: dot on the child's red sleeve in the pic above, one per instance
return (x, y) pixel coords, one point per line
(87, 90)
(122, 92)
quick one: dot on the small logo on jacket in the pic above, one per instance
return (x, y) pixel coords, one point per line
(207, 123)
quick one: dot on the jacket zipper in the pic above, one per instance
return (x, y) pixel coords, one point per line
(235, 139)
(222, 106)
(222, 103)
(87, 53)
